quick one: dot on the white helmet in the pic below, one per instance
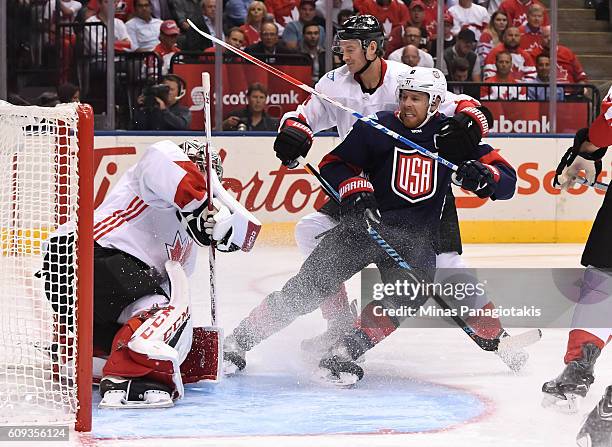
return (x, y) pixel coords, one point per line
(427, 80)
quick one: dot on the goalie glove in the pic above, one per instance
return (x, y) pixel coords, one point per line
(477, 177)
(294, 140)
(574, 161)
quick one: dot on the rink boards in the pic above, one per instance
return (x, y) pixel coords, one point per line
(280, 197)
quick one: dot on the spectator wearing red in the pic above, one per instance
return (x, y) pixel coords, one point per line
(523, 68)
(123, 9)
(167, 47)
(503, 64)
(143, 28)
(431, 14)
(466, 14)
(389, 13)
(432, 29)
(283, 11)
(516, 10)
(569, 68)
(492, 35)
(256, 13)
(531, 32)
(402, 36)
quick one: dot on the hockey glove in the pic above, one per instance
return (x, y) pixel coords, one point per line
(357, 200)
(199, 224)
(294, 140)
(477, 177)
(460, 135)
(574, 161)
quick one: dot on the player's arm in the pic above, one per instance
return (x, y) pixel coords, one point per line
(487, 175)
(297, 128)
(342, 168)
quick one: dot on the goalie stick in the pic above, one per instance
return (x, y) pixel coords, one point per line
(494, 344)
(488, 345)
(215, 331)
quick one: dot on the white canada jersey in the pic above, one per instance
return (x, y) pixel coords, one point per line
(340, 84)
(139, 214)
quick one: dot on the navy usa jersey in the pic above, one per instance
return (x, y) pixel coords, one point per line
(408, 186)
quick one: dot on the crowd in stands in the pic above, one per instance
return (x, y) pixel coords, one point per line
(491, 41)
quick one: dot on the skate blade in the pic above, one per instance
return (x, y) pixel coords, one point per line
(343, 380)
(569, 405)
(115, 399)
(230, 369)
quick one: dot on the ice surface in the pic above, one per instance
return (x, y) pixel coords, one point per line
(423, 387)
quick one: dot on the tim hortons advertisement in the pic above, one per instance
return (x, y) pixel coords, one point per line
(283, 96)
(279, 196)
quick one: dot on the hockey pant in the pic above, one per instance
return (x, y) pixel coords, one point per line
(344, 251)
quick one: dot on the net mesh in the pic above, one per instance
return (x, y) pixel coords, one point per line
(38, 201)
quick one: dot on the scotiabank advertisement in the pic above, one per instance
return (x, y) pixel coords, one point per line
(282, 97)
(279, 197)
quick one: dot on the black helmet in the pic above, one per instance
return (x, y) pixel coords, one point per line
(364, 28)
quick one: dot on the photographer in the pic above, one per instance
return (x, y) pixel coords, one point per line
(253, 117)
(159, 108)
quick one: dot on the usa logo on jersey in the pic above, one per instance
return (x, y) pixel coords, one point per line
(414, 175)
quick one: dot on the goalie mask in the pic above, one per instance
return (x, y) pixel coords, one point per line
(196, 151)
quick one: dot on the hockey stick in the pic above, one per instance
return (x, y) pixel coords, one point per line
(511, 342)
(597, 185)
(217, 337)
(209, 187)
(326, 98)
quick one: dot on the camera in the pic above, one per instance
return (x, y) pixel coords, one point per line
(150, 92)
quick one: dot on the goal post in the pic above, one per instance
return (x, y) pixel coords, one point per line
(46, 265)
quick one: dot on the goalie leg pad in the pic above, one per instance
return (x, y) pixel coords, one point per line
(157, 343)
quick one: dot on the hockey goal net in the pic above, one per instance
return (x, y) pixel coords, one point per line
(46, 178)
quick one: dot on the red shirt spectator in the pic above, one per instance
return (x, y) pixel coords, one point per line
(389, 13)
(516, 10)
(523, 67)
(256, 13)
(284, 11)
(503, 64)
(124, 9)
(166, 48)
(569, 68)
(431, 13)
(531, 32)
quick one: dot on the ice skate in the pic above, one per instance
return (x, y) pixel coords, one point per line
(339, 371)
(119, 392)
(573, 382)
(597, 428)
(234, 357)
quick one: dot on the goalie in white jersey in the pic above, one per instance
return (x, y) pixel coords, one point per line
(367, 83)
(146, 234)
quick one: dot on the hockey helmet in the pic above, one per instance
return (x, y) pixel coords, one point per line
(365, 29)
(196, 151)
(426, 80)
